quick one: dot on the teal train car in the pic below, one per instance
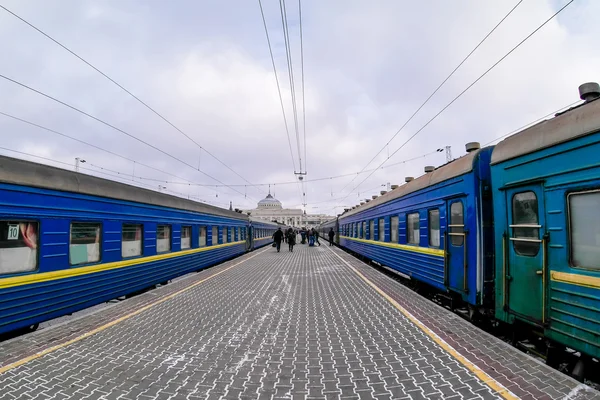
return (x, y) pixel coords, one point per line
(546, 190)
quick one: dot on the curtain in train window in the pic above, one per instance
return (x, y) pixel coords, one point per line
(394, 229)
(84, 243)
(413, 232)
(163, 238)
(525, 218)
(434, 228)
(202, 237)
(585, 229)
(131, 240)
(186, 237)
(381, 230)
(18, 246)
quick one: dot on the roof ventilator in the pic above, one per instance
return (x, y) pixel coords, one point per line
(409, 179)
(589, 91)
(383, 192)
(394, 187)
(374, 196)
(429, 168)
(472, 146)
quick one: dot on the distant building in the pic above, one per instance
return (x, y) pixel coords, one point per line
(270, 209)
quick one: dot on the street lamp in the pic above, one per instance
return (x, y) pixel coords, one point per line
(77, 161)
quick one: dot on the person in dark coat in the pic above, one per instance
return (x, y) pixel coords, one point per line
(331, 236)
(303, 234)
(278, 237)
(316, 234)
(291, 239)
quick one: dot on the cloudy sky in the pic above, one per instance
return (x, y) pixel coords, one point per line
(205, 66)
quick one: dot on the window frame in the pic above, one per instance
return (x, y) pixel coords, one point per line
(214, 228)
(429, 228)
(452, 227)
(141, 239)
(394, 232)
(372, 229)
(381, 229)
(100, 247)
(570, 230)
(37, 243)
(200, 227)
(170, 238)
(523, 239)
(183, 227)
(408, 227)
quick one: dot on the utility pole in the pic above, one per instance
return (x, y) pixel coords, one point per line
(448, 153)
(77, 161)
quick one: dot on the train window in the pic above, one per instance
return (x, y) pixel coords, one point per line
(225, 234)
(585, 229)
(202, 237)
(131, 240)
(394, 229)
(363, 232)
(372, 230)
(413, 232)
(434, 228)
(18, 246)
(381, 230)
(457, 224)
(186, 237)
(84, 243)
(215, 235)
(525, 224)
(163, 238)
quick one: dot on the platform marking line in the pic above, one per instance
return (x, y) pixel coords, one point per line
(25, 360)
(483, 376)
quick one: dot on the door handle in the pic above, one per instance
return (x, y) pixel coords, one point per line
(539, 272)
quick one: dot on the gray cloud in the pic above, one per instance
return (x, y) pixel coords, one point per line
(205, 66)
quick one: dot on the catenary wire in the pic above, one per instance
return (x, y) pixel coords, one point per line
(98, 147)
(287, 131)
(439, 87)
(113, 127)
(122, 88)
(290, 65)
(466, 89)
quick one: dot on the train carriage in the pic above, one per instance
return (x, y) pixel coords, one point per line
(435, 229)
(69, 240)
(546, 182)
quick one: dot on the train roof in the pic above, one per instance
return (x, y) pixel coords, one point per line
(580, 121)
(27, 173)
(458, 167)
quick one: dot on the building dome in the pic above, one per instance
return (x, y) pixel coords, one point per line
(269, 202)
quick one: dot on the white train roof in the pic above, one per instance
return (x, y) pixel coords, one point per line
(570, 125)
(27, 173)
(453, 169)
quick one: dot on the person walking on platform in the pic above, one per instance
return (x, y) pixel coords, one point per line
(331, 236)
(291, 239)
(278, 237)
(316, 235)
(303, 234)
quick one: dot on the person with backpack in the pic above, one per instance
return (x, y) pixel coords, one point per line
(278, 237)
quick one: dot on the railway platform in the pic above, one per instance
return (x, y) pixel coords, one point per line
(316, 324)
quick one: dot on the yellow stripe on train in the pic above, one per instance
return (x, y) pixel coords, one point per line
(415, 249)
(575, 279)
(71, 272)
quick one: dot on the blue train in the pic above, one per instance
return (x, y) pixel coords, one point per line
(69, 241)
(510, 232)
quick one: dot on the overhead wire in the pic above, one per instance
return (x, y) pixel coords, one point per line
(113, 127)
(302, 69)
(290, 65)
(466, 89)
(277, 82)
(439, 87)
(124, 180)
(124, 89)
(97, 147)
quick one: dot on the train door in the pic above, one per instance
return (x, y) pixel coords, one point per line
(250, 239)
(456, 246)
(525, 252)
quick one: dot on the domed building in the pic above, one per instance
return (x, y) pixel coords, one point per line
(271, 209)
